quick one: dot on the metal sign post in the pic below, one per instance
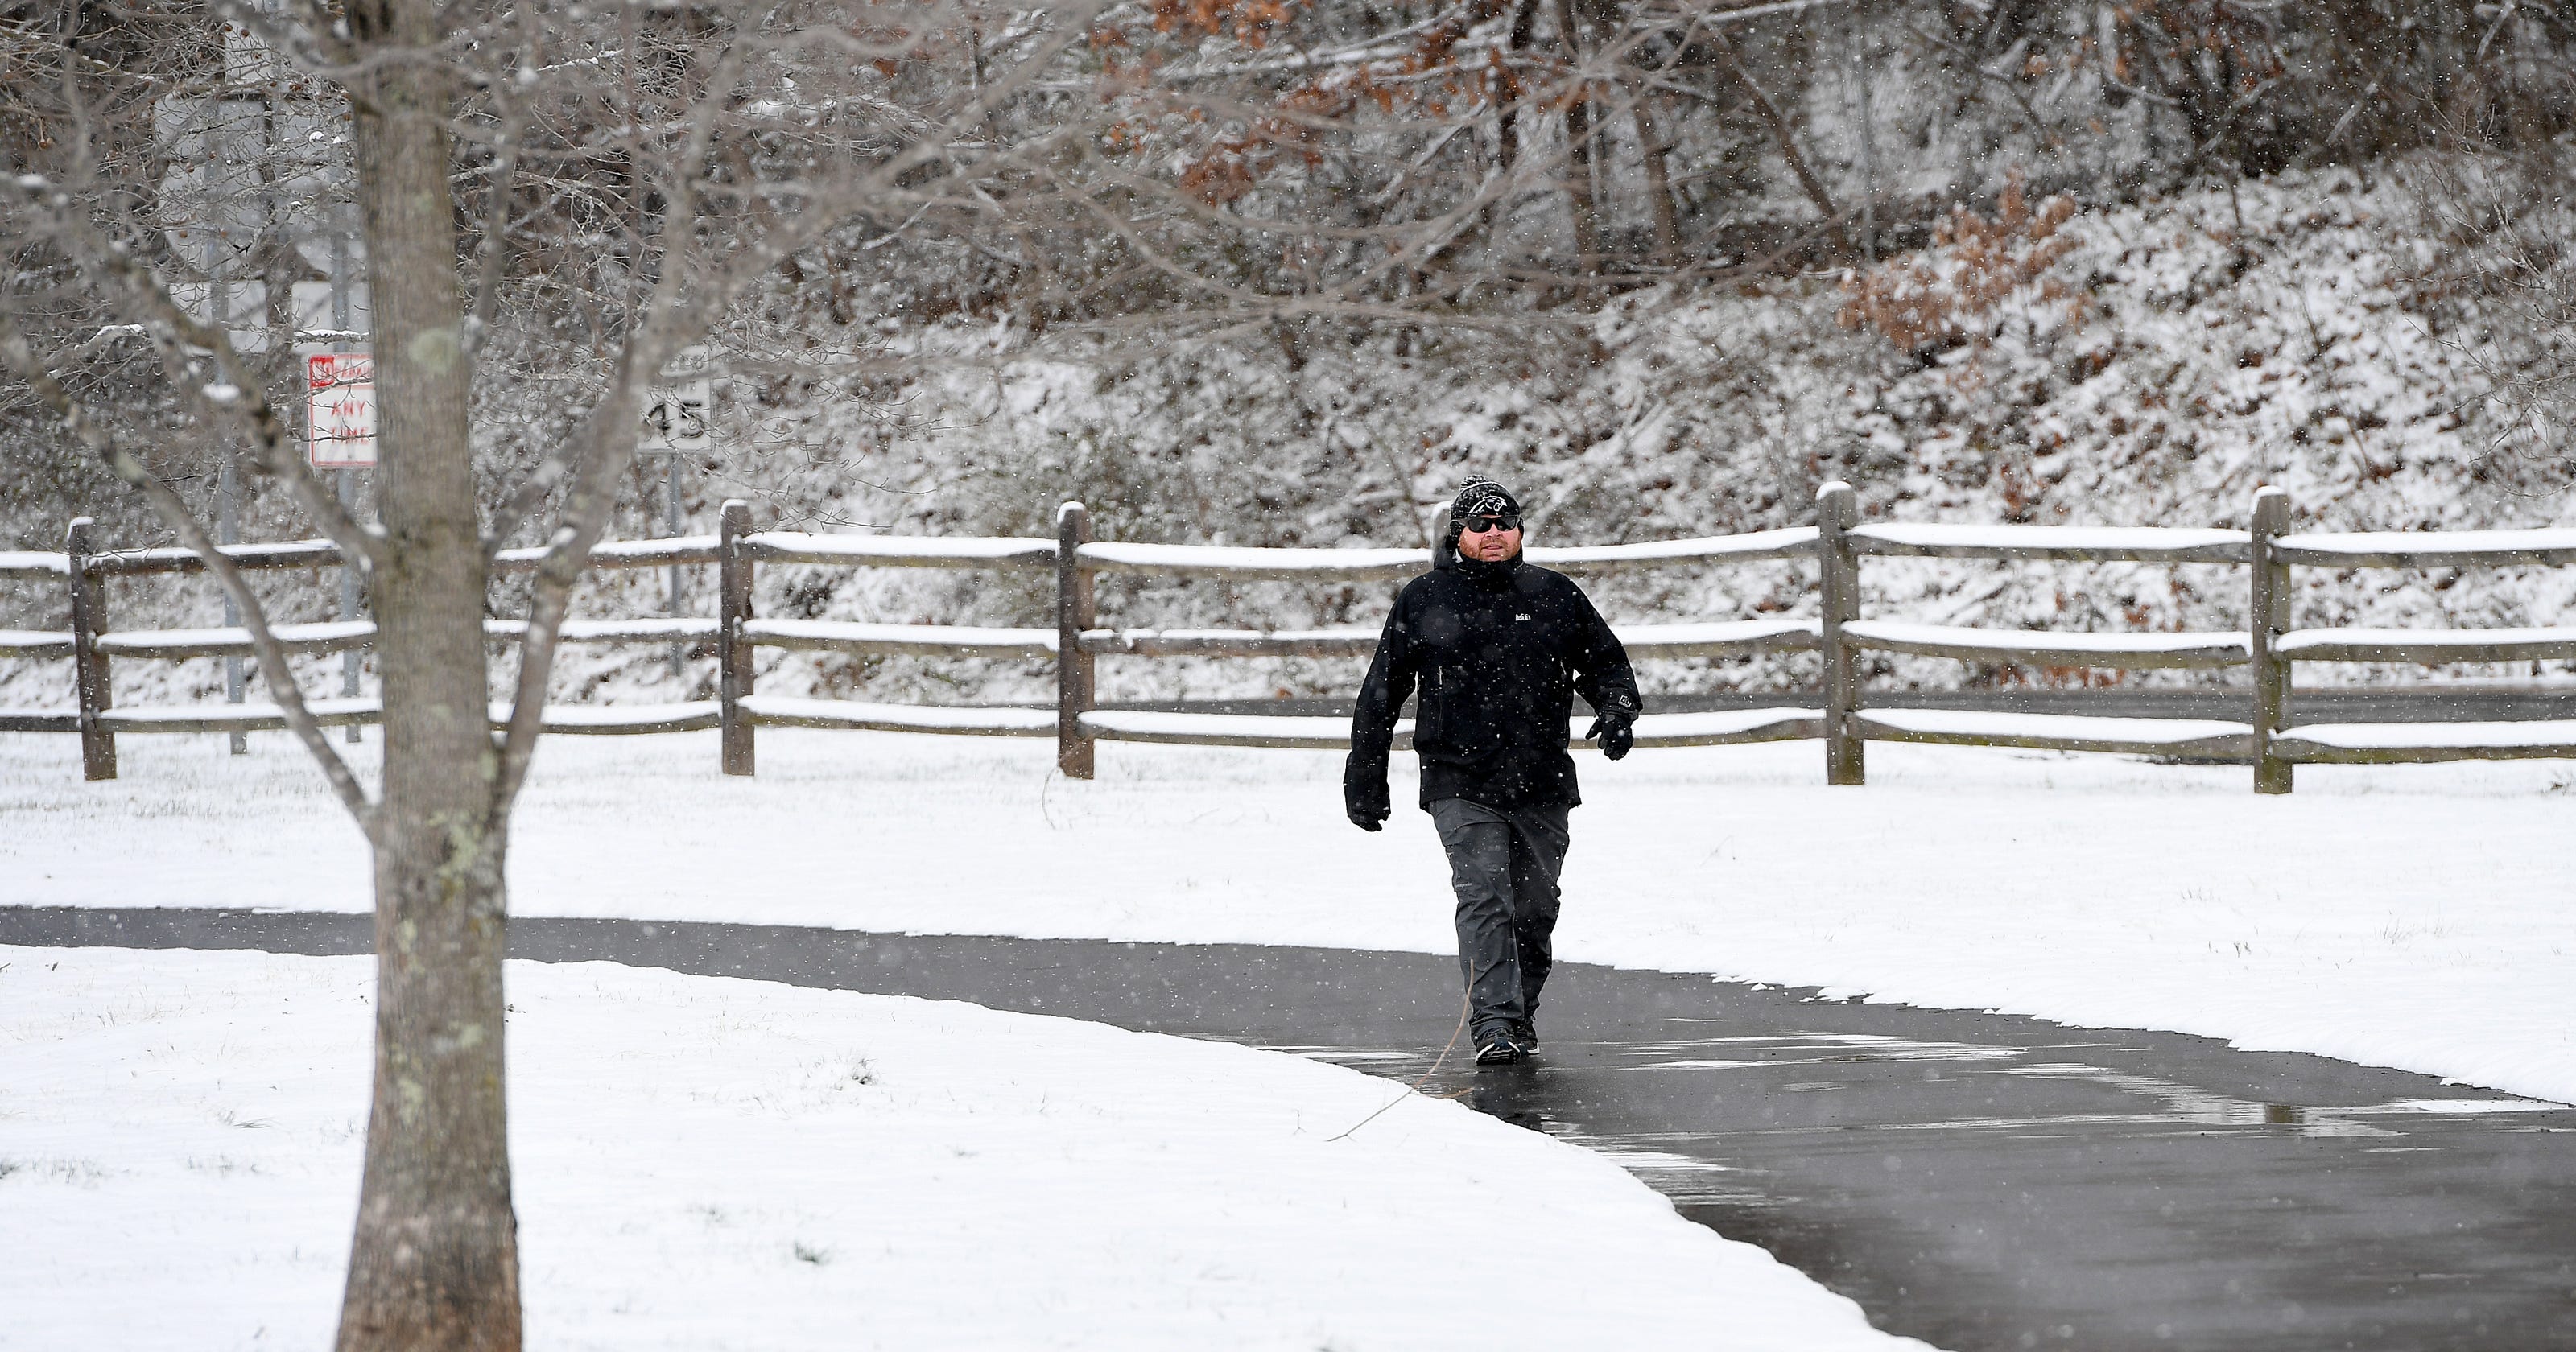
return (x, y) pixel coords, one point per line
(228, 505)
(671, 527)
(212, 209)
(228, 532)
(350, 662)
(675, 424)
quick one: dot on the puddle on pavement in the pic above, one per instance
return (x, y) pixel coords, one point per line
(1993, 1185)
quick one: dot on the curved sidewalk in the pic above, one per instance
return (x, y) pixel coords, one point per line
(1978, 1181)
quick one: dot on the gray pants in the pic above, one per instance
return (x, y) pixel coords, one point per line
(1503, 864)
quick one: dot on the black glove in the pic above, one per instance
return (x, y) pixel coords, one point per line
(1615, 730)
(1365, 806)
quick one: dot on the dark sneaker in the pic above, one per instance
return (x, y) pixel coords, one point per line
(1526, 1034)
(1498, 1048)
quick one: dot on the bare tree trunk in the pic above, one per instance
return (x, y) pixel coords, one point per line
(1508, 95)
(1659, 184)
(435, 1261)
(1508, 123)
(1779, 125)
(1578, 138)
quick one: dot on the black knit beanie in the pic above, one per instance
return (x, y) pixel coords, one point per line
(1479, 496)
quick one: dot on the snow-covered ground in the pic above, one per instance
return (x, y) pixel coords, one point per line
(2409, 916)
(705, 1163)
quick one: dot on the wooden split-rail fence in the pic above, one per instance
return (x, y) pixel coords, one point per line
(1838, 542)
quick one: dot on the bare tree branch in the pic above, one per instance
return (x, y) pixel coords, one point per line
(271, 655)
(253, 414)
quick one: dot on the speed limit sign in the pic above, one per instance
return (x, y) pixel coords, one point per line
(675, 420)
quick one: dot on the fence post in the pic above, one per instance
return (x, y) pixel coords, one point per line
(1838, 569)
(733, 652)
(1073, 666)
(2266, 620)
(89, 665)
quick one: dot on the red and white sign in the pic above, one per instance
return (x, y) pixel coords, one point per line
(340, 409)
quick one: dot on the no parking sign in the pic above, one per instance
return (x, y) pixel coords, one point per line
(340, 409)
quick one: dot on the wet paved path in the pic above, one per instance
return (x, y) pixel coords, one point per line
(1978, 1181)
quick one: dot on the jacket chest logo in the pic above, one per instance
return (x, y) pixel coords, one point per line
(1520, 617)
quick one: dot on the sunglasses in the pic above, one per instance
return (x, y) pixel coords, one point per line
(1478, 525)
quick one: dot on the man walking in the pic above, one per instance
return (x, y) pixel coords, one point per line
(1499, 649)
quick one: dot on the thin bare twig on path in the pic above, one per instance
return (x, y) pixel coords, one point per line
(1409, 1089)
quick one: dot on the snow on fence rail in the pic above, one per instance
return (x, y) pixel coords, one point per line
(1360, 565)
(2073, 544)
(1837, 543)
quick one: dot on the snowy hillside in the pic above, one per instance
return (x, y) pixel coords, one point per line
(2141, 364)
(2172, 356)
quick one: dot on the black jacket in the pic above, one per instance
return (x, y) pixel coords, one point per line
(1499, 651)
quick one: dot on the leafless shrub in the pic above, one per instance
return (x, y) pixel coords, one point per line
(1945, 295)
